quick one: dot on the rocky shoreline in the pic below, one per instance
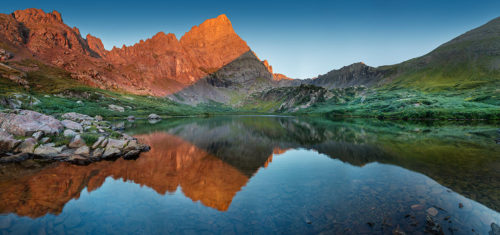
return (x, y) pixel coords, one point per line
(75, 138)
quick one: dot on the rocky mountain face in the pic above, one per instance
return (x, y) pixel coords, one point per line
(157, 66)
(230, 84)
(348, 76)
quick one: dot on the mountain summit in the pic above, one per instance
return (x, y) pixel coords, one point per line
(157, 66)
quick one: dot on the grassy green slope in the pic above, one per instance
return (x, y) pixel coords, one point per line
(460, 79)
(59, 93)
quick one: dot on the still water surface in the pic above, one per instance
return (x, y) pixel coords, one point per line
(268, 175)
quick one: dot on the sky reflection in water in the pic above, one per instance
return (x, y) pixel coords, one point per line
(268, 175)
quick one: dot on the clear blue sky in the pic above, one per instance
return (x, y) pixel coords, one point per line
(299, 38)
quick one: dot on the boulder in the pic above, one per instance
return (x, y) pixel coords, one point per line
(47, 151)
(7, 142)
(116, 108)
(27, 146)
(132, 154)
(98, 152)
(111, 152)
(44, 140)
(77, 117)
(38, 135)
(15, 158)
(84, 151)
(69, 133)
(114, 143)
(72, 125)
(76, 142)
(98, 142)
(104, 143)
(132, 145)
(154, 116)
(77, 159)
(26, 123)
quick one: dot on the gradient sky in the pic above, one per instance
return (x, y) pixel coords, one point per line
(299, 38)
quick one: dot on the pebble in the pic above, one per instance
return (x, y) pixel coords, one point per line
(417, 207)
(432, 211)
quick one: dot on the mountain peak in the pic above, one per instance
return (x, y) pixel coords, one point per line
(33, 15)
(223, 18)
(160, 36)
(210, 30)
(95, 44)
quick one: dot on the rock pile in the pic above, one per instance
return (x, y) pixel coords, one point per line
(78, 138)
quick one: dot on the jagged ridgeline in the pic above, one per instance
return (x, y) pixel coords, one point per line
(211, 69)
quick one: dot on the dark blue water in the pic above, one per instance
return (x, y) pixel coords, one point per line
(268, 175)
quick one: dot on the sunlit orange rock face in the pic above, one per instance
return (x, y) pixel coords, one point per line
(171, 163)
(157, 66)
(213, 43)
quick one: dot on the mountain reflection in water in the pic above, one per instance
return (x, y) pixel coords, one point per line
(211, 160)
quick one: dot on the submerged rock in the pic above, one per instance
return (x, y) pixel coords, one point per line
(495, 229)
(432, 211)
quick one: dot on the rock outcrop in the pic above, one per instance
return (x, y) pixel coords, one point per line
(68, 144)
(26, 123)
(243, 76)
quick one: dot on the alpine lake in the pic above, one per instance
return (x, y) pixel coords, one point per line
(269, 175)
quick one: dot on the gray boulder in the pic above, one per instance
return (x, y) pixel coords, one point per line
(77, 117)
(47, 151)
(26, 123)
(84, 151)
(111, 152)
(27, 146)
(38, 135)
(76, 142)
(15, 158)
(69, 133)
(132, 154)
(114, 143)
(98, 153)
(72, 125)
(44, 140)
(117, 108)
(98, 142)
(7, 142)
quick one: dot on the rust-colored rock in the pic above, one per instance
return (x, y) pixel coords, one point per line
(157, 66)
(95, 44)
